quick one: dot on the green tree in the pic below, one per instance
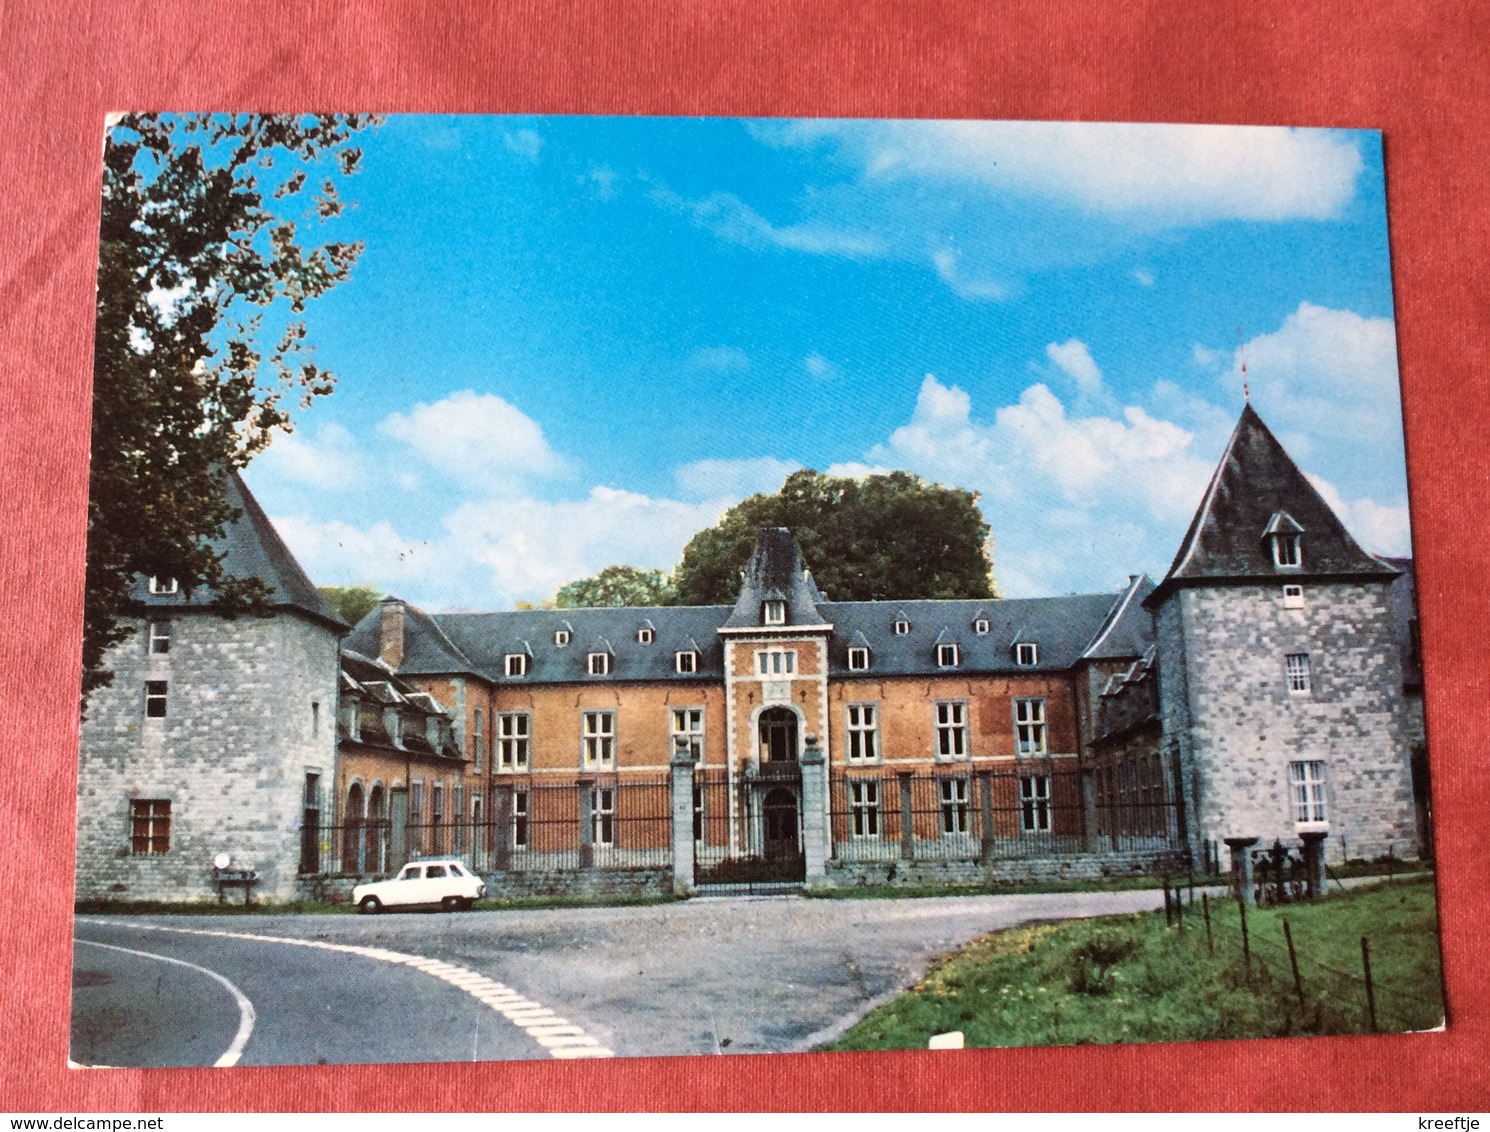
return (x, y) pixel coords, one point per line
(881, 537)
(617, 585)
(199, 348)
(351, 603)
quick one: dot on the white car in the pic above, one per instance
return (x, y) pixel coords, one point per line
(433, 882)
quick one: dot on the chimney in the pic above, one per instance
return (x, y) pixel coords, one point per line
(391, 632)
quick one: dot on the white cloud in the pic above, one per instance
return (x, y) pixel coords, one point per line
(602, 180)
(1205, 357)
(330, 461)
(730, 218)
(1163, 174)
(338, 553)
(1076, 360)
(1145, 278)
(718, 479)
(720, 359)
(524, 143)
(854, 470)
(1379, 528)
(949, 271)
(476, 437)
(819, 367)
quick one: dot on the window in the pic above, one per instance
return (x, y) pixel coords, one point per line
(478, 739)
(947, 656)
(776, 662)
(953, 793)
(516, 664)
(315, 719)
(519, 819)
(773, 613)
(1029, 727)
(858, 660)
(437, 803)
(1288, 550)
(561, 637)
(1034, 803)
(864, 808)
(1026, 653)
(863, 733)
(416, 802)
(686, 661)
(160, 637)
(1306, 782)
(603, 816)
(155, 699)
(1298, 674)
(698, 813)
(598, 664)
(433, 872)
(149, 826)
(902, 626)
(644, 636)
(1293, 597)
(599, 738)
(688, 731)
(512, 740)
(458, 802)
(310, 825)
(164, 585)
(980, 626)
(951, 729)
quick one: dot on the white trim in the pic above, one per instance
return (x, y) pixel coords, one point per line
(864, 654)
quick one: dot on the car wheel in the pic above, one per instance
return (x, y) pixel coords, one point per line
(371, 905)
(465, 905)
(451, 903)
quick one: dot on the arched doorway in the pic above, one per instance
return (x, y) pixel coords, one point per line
(778, 735)
(779, 825)
(353, 821)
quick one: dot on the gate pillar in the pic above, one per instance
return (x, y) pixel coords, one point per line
(1241, 868)
(815, 813)
(681, 766)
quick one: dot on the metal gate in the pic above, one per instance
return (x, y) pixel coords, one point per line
(748, 832)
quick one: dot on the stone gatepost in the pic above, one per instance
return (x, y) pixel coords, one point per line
(985, 803)
(1314, 861)
(907, 818)
(1241, 868)
(398, 828)
(815, 813)
(681, 765)
(586, 790)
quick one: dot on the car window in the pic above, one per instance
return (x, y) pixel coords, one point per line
(457, 871)
(435, 871)
(410, 873)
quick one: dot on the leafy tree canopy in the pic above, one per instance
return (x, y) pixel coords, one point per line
(351, 603)
(617, 585)
(881, 537)
(203, 236)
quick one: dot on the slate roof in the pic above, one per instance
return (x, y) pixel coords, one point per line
(251, 548)
(1258, 489)
(1129, 628)
(776, 572)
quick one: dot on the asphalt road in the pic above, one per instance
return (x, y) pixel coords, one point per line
(696, 977)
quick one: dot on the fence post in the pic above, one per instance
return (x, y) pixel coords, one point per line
(1246, 944)
(681, 834)
(1168, 916)
(814, 813)
(1370, 990)
(1314, 862)
(1205, 908)
(985, 801)
(586, 791)
(1241, 868)
(907, 818)
(1293, 961)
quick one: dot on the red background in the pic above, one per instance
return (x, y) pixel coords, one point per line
(1418, 71)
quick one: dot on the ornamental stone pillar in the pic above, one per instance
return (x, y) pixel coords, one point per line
(815, 813)
(681, 765)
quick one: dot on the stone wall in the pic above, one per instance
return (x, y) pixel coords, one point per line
(1012, 871)
(231, 755)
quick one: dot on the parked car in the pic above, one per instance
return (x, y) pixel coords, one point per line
(433, 882)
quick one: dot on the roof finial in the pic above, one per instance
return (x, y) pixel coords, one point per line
(1241, 357)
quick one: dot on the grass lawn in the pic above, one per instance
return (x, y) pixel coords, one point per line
(1133, 979)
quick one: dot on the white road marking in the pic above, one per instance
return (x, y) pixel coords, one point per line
(533, 1018)
(246, 1014)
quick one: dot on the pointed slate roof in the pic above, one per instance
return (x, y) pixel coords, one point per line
(252, 548)
(776, 572)
(1129, 628)
(1257, 489)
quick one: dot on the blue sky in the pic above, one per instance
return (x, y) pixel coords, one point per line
(572, 342)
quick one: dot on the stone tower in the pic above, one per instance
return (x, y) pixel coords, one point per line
(1281, 689)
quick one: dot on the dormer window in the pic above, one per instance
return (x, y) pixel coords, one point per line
(858, 659)
(515, 664)
(1026, 654)
(773, 613)
(561, 637)
(686, 661)
(164, 585)
(902, 626)
(947, 656)
(980, 626)
(598, 663)
(1288, 551)
(644, 636)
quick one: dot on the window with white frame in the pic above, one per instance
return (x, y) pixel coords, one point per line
(951, 729)
(155, 699)
(686, 661)
(902, 626)
(698, 813)
(644, 636)
(862, 733)
(776, 662)
(598, 663)
(858, 659)
(1298, 673)
(1293, 597)
(864, 808)
(164, 585)
(603, 816)
(513, 737)
(458, 802)
(773, 613)
(160, 637)
(954, 805)
(1288, 550)
(599, 729)
(561, 637)
(980, 626)
(1026, 654)
(948, 656)
(437, 804)
(516, 664)
(1029, 727)
(416, 802)
(1034, 803)
(688, 731)
(1306, 784)
(149, 826)
(478, 739)
(519, 819)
